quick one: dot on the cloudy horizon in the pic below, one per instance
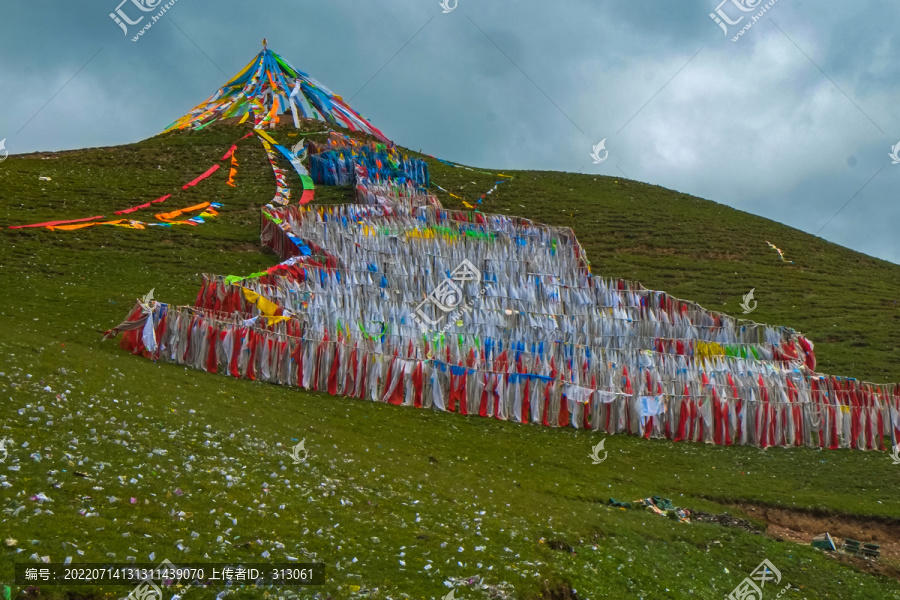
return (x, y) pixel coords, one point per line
(792, 121)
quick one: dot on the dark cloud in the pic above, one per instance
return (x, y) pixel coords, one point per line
(790, 122)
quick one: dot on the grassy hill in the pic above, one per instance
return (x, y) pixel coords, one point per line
(399, 503)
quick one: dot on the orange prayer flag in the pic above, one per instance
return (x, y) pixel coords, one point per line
(177, 213)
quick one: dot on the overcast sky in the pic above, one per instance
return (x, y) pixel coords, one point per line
(793, 121)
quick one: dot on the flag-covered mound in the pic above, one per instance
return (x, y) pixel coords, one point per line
(500, 317)
(268, 87)
(396, 299)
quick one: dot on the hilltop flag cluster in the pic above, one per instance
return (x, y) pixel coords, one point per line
(396, 299)
(268, 87)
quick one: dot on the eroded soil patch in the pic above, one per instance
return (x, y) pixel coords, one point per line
(800, 527)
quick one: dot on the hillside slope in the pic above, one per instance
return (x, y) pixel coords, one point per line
(432, 488)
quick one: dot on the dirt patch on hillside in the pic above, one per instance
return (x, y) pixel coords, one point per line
(557, 591)
(725, 520)
(561, 546)
(800, 527)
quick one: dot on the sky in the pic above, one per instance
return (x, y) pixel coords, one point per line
(795, 119)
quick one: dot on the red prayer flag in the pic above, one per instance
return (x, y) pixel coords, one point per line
(211, 170)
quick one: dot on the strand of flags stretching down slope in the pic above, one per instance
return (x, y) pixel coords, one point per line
(780, 253)
(283, 193)
(205, 210)
(282, 197)
(480, 198)
(458, 166)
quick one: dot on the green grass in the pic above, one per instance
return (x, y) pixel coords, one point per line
(424, 484)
